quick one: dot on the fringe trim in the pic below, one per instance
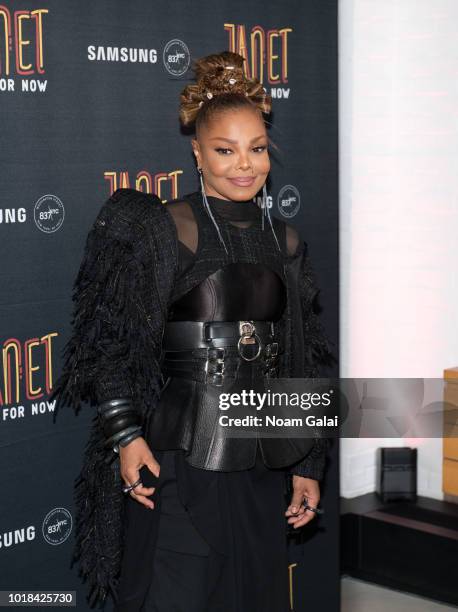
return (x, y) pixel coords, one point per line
(99, 507)
(317, 354)
(317, 345)
(110, 334)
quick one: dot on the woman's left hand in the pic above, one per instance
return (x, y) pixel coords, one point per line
(303, 488)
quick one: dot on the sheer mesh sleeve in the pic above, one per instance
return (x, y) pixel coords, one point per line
(292, 240)
(187, 233)
(185, 223)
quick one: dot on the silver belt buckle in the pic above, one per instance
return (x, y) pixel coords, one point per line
(214, 365)
(271, 349)
(270, 359)
(248, 335)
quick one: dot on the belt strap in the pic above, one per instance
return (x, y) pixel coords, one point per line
(219, 364)
(181, 335)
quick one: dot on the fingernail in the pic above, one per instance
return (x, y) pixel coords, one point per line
(294, 509)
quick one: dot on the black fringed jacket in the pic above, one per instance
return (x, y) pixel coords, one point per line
(121, 298)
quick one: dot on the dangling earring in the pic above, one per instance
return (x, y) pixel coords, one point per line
(209, 212)
(266, 212)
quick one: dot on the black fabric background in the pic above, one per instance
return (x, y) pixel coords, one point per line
(100, 125)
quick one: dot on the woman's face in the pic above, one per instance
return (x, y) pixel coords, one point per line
(232, 150)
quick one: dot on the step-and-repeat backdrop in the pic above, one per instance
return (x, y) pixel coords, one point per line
(89, 95)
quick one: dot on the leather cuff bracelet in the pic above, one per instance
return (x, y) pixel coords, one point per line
(112, 412)
(117, 437)
(127, 439)
(120, 422)
(113, 403)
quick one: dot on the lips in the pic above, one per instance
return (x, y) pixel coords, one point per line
(243, 182)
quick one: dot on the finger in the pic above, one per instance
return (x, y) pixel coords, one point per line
(154, 467)
(312, 501)
(299, 512)
(302, 519)
(295, 504)
(297, 517)
(298, 522)
(142, 499)
(132, 475)
(145, 491)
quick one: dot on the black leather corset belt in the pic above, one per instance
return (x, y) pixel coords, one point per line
(232, 310)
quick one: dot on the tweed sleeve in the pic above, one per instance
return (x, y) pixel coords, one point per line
(317, 346)
(119, 295)
(111, 351)
(318, 353)
(314, 464)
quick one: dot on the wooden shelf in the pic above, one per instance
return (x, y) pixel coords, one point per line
(450, 443)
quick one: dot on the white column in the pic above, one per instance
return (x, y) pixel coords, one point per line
(398, 115)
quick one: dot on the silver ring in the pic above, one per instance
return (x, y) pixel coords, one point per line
(259, 347)
(316, 510)
(130, 487)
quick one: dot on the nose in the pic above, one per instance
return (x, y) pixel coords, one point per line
(244, 162)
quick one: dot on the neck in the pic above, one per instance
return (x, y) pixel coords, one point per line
(217, 200)
(235, 210)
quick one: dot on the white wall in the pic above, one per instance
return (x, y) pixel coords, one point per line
(398, 98)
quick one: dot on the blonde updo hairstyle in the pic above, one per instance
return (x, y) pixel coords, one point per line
(221, 85)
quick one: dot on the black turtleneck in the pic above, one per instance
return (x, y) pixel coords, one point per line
(246, 210)
(236, 211)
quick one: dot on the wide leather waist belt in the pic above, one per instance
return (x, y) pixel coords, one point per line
(213, 351)
(180, 335)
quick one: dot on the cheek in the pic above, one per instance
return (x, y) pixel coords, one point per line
(263, 165)
(219, 166)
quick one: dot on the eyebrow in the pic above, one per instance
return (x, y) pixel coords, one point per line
(234, 141)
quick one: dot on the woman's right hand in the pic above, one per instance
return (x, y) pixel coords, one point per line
(133, 457)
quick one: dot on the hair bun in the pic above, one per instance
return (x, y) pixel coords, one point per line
(219, 66)
(217, 74)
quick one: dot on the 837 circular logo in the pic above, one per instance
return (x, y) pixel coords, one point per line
(48, 213)
(176, 57)
(289, 201)
(57, 526)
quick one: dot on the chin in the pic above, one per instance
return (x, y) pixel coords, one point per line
(242, 196)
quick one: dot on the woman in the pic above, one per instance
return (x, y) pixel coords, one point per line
(175, 304)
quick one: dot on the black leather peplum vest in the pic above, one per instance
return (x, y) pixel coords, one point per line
(247, 283)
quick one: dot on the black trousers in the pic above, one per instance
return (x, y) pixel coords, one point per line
(215, 542)
(180, 565)
(183, 564)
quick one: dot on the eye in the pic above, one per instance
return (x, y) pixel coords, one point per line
(220, 149)
(260, 149)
